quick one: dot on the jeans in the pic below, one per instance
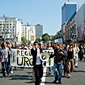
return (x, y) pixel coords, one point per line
(5, 67)
(49, 69)
(58, 68)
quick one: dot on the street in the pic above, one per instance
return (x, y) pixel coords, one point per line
(25, 77)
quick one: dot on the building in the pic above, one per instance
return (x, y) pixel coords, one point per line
(39, 31)
(29, 32)
(10, 29)
(68, 10)
(81, 22)
(71, 29)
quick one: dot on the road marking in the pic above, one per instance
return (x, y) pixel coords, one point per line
(44, 76)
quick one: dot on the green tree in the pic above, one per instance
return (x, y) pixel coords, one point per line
(24, 40)
(38, 40)
(45, 37)
(55, 37)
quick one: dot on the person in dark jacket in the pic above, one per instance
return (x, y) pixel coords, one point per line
(58, 63)
(37, 63)
(81, 48)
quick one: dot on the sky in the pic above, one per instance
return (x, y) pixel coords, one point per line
(44, 12)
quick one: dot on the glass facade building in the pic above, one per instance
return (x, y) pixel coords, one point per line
(68, 10)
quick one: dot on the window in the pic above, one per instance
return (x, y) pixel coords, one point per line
(32, 38)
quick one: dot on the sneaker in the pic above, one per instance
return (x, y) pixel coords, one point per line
(11, 72)
(48, 73)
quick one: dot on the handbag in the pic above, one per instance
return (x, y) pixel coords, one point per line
(0, 59)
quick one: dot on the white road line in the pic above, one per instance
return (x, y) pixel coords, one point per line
(44, 76)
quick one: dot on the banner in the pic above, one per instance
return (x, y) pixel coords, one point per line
(59, 40)
(23, 58)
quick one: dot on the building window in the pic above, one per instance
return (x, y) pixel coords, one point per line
(32, 38)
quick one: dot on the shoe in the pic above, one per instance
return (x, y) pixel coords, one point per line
(54, 81)
(7, 74)
(69, 75)
(3, 76)
(40, 80)
(76, 66)
(48, 73)
(59, 83)
(11, 72)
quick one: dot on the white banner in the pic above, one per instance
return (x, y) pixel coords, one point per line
(23, 58)
(59, 40)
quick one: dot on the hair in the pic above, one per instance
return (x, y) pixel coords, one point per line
(7, 43)
(35, 43)
(58, 44)
(2, 45)
(71, 45)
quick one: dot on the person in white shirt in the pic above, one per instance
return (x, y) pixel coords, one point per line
(76, 51)
(4, 55)
(37, 63)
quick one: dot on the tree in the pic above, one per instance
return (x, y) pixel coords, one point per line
(24, 40)
(38, 40)
(55, 37)
(45, 37)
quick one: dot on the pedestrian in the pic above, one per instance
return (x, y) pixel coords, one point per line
(9, 57)
(23, 48)
(4, 63)
(70, 60)
(37, 63)
(81, 52)
(49, 48)
(58, 55)
(76, 51)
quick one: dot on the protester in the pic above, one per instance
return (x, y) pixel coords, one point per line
(70, 60)
(58, 63)
(81, 48)
(76, 51)
(4, 54)
(29, 46)
(37, 63)
(24, 48)
(41, 46)
(9, 57)
(49, 48)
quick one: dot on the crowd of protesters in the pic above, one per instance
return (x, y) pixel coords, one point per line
(66, 57)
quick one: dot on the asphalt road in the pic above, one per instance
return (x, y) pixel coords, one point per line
(25, 77)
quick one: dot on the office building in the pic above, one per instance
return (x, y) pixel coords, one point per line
(68, 10)
(10, 29)
(39, 31)
(29, 32)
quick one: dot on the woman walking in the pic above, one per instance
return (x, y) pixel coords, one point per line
(70, 60)
(4, 55)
